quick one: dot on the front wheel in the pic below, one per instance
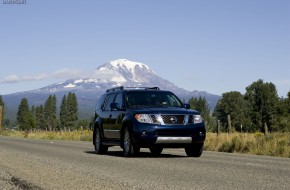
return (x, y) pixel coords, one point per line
(194, 150)
(99, 147)
(128, 147)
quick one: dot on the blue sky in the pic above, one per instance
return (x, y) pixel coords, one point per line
(214, 46)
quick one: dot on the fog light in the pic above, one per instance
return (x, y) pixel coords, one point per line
(143, 133)
(201, 134)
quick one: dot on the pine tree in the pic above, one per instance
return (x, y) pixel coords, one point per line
(3, 107)
(39, 117)
(288, 103)
(2, 111)
(72, 110)
(50, 113)
(32, 110)
(54, 110)
(200, 104)
(47, 113)
(63, 115)
(24, 116)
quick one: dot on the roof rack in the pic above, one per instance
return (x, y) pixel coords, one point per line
(123, 88)
(115, 89)
(152, 88)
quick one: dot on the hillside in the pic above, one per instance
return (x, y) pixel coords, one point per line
(121, 72)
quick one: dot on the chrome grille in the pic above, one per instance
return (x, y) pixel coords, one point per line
(173, 119)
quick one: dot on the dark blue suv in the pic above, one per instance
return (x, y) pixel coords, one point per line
(135, 118)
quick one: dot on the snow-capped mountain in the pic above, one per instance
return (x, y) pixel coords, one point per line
(121, 72)
(127, 71)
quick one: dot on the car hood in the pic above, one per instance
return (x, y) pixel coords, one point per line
(165, 110)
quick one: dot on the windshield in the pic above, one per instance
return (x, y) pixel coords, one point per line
(152, 99)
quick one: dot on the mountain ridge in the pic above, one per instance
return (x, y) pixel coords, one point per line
(120, 72)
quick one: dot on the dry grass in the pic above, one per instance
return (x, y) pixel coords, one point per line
(275, 144)
(52, 135)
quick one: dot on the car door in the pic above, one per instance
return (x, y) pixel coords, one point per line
(116, 117)
(106, 115)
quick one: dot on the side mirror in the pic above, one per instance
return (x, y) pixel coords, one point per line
(187, 106)
(115, 106)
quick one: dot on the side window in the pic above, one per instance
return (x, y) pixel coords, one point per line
(173, 101)
(100, 102)
(108, 101)
(119, 99)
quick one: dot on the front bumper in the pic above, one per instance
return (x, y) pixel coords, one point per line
(148, 135)
(173, 140)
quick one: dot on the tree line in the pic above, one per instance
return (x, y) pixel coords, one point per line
(257, 110)
(45, 117)
(2, 106)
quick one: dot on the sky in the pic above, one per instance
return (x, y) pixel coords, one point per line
(214, 46)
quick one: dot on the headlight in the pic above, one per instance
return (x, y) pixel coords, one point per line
(143, 118)
(197, 119)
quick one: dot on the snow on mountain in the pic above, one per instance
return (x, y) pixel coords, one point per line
(121, 72)
(70, 85)
(129, 70)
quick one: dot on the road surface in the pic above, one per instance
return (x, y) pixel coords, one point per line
(46, 164)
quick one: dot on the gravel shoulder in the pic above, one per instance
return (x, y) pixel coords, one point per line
(6, 181)
(10, 182)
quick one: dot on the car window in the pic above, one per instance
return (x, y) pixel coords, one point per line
(108, 101)
(173, 101)
(119, 99)
(100, 102)
(152, 99)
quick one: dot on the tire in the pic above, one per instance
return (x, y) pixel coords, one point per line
(128, 147)
(99, 147)
(194, 150)
(155, 150)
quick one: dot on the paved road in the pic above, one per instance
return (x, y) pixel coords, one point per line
(39, 164)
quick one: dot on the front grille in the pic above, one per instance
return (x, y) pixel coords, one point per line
(173, 119)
